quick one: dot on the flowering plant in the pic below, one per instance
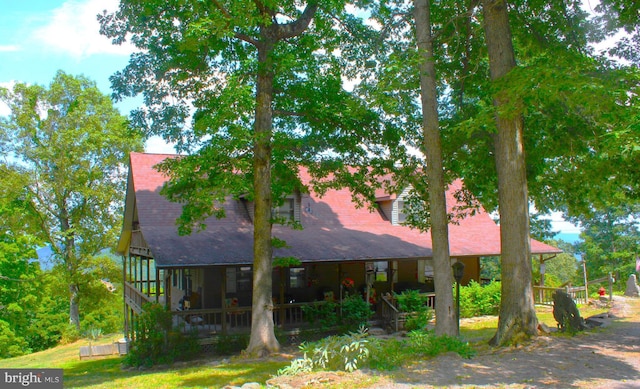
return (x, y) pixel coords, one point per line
(348, 283)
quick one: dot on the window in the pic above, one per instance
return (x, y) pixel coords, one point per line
(297, 277)
(428, 269)
(401, 215)
(181, 279)
(239, 279)
(284, 211)
(382, 271)
(244, 278)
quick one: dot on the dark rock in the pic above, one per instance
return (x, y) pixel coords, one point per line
(566, 313)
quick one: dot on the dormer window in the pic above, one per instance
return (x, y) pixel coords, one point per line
(285, 211)
(402, 217)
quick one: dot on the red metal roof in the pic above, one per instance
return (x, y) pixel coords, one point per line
(334, 229)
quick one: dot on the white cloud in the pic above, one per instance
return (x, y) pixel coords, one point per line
(9, 48)
(74, 29)
(558, 223)
(157, 145)
(4, 109)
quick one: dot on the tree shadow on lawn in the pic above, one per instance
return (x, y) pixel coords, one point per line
(109, 373)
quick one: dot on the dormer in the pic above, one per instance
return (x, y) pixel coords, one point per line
(289, 209)
(391, 206)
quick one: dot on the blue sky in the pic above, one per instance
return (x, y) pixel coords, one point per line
(40, 37)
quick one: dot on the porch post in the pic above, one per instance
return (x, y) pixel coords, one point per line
(167, 289)
(282, 306)
(223, 293)
(134, 264)
(157, 285)
(124, 296)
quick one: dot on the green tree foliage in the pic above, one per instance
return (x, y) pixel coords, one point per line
(611, 241)
(569, 139)
(72, 145)
(479, 300)
(23, 286)
(260, 86)
(560, 269)
(621, 16)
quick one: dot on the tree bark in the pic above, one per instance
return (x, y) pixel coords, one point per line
(517, 311)
(445, 312)
(262, 340)
(74, 309)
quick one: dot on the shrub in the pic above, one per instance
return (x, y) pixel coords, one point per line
(411, 301)
(325, 313)
(415, 304)
(478, 300)
(231, 344)
(355, 312)
(339, 352)
(155, 342)
(426, 343)
(387, 354)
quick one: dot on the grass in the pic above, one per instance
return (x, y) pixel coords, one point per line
(109, 373)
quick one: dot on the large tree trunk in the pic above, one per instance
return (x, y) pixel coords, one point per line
(445, 312)
(263, 340)
(74, 310)
(517, 312)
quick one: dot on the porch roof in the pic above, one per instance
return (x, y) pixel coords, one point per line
(334, 229)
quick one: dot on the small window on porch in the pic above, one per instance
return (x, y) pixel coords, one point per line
(239, 279)
(244, 279)
(382, 271)
(297, 277)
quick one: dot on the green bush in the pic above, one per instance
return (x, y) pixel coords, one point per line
(411, 301)
(349, 315)
(356, 349)
(324, 313)
(478, 300)
(155, 342)
(426, 343)
(387, 354)
(339, 352)
(355, 312)
(231, 344)
(415, 304)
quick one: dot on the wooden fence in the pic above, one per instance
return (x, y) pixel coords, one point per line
(544, 295)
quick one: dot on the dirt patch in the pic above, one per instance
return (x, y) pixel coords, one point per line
(607, 357)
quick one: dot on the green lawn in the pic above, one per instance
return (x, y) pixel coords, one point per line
(109, 373)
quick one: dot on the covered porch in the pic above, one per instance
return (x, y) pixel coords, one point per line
(216, 300)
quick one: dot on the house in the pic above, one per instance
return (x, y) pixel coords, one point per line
(206, 278)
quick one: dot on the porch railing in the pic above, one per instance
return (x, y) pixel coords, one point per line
(231, 320)
(393, 318)
(135, 298)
